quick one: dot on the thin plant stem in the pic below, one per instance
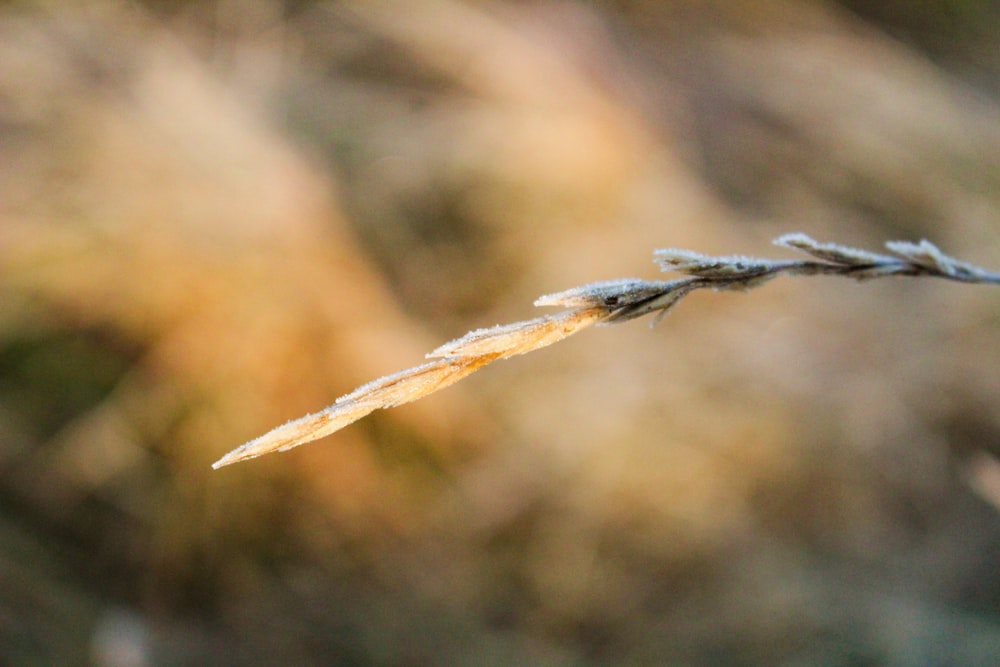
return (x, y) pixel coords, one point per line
(609, 302)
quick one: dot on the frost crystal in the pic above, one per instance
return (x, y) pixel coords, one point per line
(831, 252)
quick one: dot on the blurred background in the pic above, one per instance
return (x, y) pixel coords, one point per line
(219, 215)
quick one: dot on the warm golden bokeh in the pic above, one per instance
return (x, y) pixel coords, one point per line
(217, 216)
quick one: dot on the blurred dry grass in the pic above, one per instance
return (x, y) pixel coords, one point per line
(216, 216)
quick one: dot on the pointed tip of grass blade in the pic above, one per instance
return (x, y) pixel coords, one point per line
(796, 240)
(924, 254)
(832, 252)
(299, 431)
(385, 392)
(456, 360)
(928, 256)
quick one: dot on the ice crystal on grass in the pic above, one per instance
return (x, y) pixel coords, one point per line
(606, 294)
(508, 340)
(832, 252)
(706, 266)
(608, 302)
(929, 257)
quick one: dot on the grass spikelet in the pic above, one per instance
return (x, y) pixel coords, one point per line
(608, 302)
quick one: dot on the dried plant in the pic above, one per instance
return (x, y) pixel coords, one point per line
(608, 302)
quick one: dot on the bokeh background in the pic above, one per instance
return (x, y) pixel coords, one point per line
(219, 215)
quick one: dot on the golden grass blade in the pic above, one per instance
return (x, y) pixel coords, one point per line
(386, 392)
(509, 340)
(458, 359)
